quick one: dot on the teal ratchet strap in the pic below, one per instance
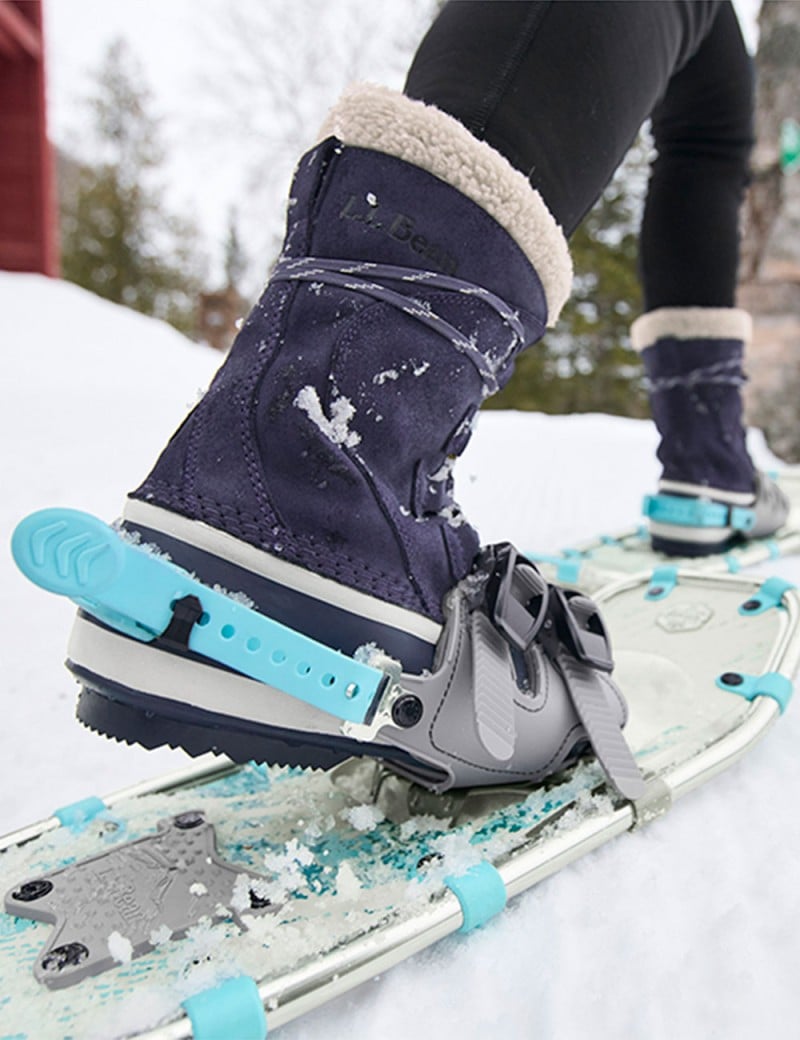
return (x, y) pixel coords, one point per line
(136, 592)
(697, 512)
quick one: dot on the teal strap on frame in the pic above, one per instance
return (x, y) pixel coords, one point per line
(577, 554)
(481, 893)
(771, 684)
(76, 555)
(232, 1009)
(696, 512)
(77, 815)
(768, 597)
(567, 570)
(662, 581)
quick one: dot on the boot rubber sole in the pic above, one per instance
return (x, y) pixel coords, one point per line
(136, 693)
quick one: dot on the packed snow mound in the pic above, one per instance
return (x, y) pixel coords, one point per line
(92, 385)
(90, 393)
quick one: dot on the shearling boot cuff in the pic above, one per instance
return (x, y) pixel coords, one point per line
(368, 116)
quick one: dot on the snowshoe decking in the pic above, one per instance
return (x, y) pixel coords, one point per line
(352, 870)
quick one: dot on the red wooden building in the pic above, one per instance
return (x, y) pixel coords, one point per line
(28, 226)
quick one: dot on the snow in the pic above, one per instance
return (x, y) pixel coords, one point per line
(337, 427)
(687, 928)
(120, 948)
(364, 817)
(160, 935)
(348, 886)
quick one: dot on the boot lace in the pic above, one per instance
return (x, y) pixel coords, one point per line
(368, 278)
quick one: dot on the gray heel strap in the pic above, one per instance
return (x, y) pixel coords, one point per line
(493, 693)
(520, 685)
(608, 743)
(571, 631)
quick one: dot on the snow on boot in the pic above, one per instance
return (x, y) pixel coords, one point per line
(314, 479)
(710, 495)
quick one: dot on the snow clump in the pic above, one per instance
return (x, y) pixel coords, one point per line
(363, 817)
(337, 427)
(120, 948)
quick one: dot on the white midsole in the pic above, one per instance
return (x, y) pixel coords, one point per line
(146, 669)
(226, 547)
(732, 498)
(697, 535)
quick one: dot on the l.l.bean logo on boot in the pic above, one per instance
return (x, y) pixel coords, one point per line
(399, 226)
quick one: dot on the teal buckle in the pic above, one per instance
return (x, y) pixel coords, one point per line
(662, 581)
(481, 893)
(697, 512)
(768, 596)
(771, 684)
(233, 1009)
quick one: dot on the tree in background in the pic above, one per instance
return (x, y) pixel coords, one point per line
(117, 238)
(770, 273)
(269, 78)
(271, 69)
(586, 363)
(235, 256)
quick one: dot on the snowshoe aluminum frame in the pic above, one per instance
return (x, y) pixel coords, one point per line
(544, 851)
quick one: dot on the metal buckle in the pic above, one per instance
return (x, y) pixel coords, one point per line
(517, 596)
(581, 629)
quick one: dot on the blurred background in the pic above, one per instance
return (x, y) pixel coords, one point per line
(146, 147)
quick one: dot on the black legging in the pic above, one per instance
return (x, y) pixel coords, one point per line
(561, 88)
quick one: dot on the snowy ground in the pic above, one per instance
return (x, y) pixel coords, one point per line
(689, 929)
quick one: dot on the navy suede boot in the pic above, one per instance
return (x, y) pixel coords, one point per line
(324, 447)
(710, 494)
(314, 482)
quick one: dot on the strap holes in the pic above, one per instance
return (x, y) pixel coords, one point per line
(278, 656)
(328, 679)
(352, 690)
(253, 644)
(303, 668)
(227, 632)
(204, 619)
